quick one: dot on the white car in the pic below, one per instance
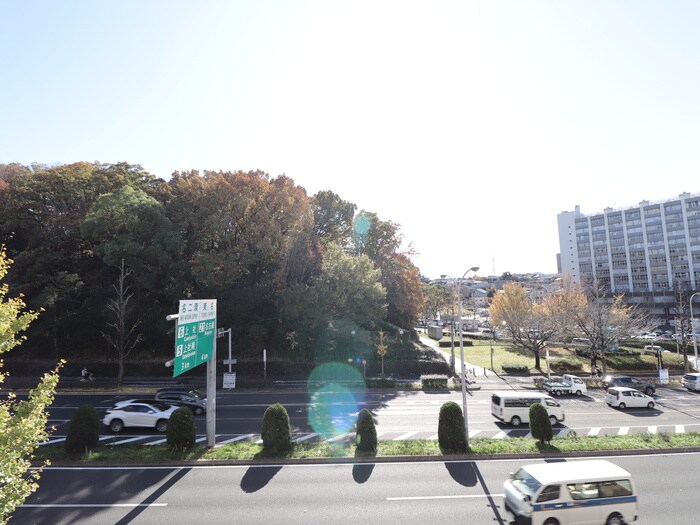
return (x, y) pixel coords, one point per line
(136, 413)
(625, 397)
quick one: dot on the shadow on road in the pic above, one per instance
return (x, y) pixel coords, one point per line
(257, 477)
(361, 473)
(153, 497)
(462, 472)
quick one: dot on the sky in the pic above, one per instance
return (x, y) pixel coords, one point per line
(470, 124)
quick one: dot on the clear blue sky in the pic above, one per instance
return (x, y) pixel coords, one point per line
(469, 123)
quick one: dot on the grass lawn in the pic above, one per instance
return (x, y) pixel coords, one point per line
(479, 354)
(480, 447)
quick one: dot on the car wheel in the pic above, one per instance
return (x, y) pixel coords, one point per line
(614, 519)
(650, 404)
(551, 521)
(622, 406)
(579, 393)
(162, 425)
(515, 421)
(557, 392)
(198, 411)
(116, 425)
(553, 420)
(648, 391)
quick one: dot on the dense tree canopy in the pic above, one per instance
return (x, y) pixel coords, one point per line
(283, 266)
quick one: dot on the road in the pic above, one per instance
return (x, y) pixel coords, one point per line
(402, 414)
(410, 492)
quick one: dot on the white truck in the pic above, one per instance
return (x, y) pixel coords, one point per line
(568, 384)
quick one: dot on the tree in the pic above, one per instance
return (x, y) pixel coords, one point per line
(122, 336)
(437, 299)
(530, 325)
(404, 294)
(332, 218)
(382, 349)
(605, 321)
(23, 424)
(540, 425)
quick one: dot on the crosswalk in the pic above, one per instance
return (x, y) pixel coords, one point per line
(497, 433)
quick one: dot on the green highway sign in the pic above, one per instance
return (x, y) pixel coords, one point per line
(195, 334)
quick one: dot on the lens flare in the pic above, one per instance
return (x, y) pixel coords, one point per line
(335, 393)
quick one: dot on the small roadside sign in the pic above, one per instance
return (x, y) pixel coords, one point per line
(229, 380)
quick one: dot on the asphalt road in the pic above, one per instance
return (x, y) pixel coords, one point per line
(410, 492)
(405, 414)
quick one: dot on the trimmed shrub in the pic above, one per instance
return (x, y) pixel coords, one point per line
(83, 431)
(366, 437)
(276, 431)
(433, 381)
(540, 425)
(181, 433)
(515, 370)
(451, 435)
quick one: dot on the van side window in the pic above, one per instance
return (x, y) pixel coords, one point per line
(549, 493)
(601, 489)
(551, 403)
(583, 490)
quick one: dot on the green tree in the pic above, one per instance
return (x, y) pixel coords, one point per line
(84, 431)
(452, 436)
(366, 435)
(540, 425)
(23, 424)
(333, 218)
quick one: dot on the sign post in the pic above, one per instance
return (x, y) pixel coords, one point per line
(195, 343)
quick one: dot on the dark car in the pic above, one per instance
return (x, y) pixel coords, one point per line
(183, 397)
(629, 382)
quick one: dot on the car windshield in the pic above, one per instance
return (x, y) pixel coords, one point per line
(525, 483)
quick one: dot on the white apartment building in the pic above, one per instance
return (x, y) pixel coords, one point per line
(643, 251)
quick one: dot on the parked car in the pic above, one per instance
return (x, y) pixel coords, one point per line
(691, 381)
(629, 382)
(623, 397)
(184, 398)
(138, 413)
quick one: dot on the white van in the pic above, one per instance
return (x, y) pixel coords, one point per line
(513, 406)
(571, 492)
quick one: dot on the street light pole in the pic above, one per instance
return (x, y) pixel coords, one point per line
(692, 327)
(461, 353)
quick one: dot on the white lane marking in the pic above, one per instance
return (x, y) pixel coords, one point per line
(306, 437)
(471, 434)
(406, 435)
(434, 437)
(157, 442)
(500, 435)
(680, 429)
(91, 505)
(594, 431)
(458, 496)
(652, 430)
(123, 441)
(623, 431)
(237, 438)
